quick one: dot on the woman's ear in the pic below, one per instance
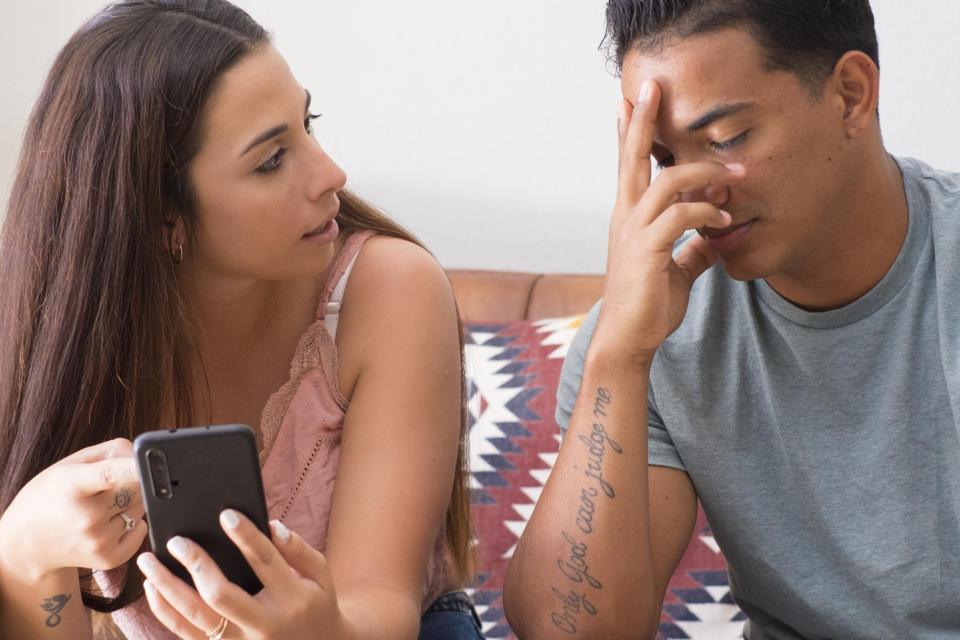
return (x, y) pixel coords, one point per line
(174, 236)
(856, 83)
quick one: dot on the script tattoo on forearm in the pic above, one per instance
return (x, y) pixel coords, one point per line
(54, 606)
(573, 600)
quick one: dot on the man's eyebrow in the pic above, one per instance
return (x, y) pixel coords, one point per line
(721, 112)
(273, 131)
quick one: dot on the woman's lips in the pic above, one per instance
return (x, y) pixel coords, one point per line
(323, 234)
(726, 238)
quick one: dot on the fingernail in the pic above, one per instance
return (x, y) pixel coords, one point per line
(726, 215)
(229, 519)
(645, 91)
(177, 546)
(146, 564)
(282, 532)
(149, 587)
(735, 167)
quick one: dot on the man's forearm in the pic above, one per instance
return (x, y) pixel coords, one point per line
(583, 567)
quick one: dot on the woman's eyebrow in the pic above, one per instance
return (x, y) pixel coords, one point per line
(263, 137)
(273, 131)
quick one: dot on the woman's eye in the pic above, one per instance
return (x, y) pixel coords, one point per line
(726, 145)
(273, 163)
(308, 122)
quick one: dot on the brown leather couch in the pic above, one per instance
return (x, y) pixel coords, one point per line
(503, 296)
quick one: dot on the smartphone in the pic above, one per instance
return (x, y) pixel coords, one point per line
(187, 477)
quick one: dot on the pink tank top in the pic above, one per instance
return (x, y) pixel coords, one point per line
(301, 427)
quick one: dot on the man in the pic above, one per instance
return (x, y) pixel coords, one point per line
(795, 364)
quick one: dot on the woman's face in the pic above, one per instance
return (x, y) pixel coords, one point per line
(265, 192)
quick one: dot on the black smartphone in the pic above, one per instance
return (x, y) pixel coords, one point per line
(187, 477)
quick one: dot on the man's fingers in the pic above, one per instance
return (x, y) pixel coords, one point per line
(682, 217)
(673, 182)
(624, 113)
(635, 167)
(695, 257)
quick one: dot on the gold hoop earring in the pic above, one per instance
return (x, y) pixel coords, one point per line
(177, 254)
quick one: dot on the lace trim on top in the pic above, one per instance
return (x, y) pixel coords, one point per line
(316, 348)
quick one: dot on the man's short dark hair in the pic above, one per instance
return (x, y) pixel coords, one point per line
(805, 37)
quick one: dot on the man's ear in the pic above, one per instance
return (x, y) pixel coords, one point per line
(856, 85)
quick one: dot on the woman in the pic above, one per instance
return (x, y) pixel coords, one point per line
(175, 239)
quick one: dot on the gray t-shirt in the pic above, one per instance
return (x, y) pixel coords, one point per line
(825, 447)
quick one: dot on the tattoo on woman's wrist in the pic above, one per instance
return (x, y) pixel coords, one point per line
(54, 605)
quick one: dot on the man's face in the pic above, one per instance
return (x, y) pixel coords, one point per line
(720, 104)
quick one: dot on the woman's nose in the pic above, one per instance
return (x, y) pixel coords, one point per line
(325, 175)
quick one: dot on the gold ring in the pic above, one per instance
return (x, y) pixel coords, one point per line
(218, 631)
(128, 522)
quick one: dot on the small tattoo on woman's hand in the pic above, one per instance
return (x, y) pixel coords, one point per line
(123, 498)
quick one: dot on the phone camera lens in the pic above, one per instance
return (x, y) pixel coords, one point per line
(159, 474)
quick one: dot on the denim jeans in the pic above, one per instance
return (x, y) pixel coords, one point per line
(450, 617)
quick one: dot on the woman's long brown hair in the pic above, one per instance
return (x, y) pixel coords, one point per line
(97, 339)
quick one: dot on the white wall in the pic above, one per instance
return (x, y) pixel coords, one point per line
(488, 128)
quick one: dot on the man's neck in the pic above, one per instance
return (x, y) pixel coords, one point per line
(865, 247)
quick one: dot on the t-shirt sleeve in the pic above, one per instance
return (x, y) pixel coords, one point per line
(572, 371)
(662, 452)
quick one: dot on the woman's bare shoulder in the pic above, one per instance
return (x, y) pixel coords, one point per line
(391, 271)
(398, 295)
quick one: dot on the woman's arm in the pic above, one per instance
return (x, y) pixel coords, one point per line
(401, 368)
(48, 607)
(67, 516)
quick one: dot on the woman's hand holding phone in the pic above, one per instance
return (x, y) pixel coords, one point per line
(297, 592)
(83, 511)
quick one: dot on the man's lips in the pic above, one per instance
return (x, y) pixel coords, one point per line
(727, 237)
